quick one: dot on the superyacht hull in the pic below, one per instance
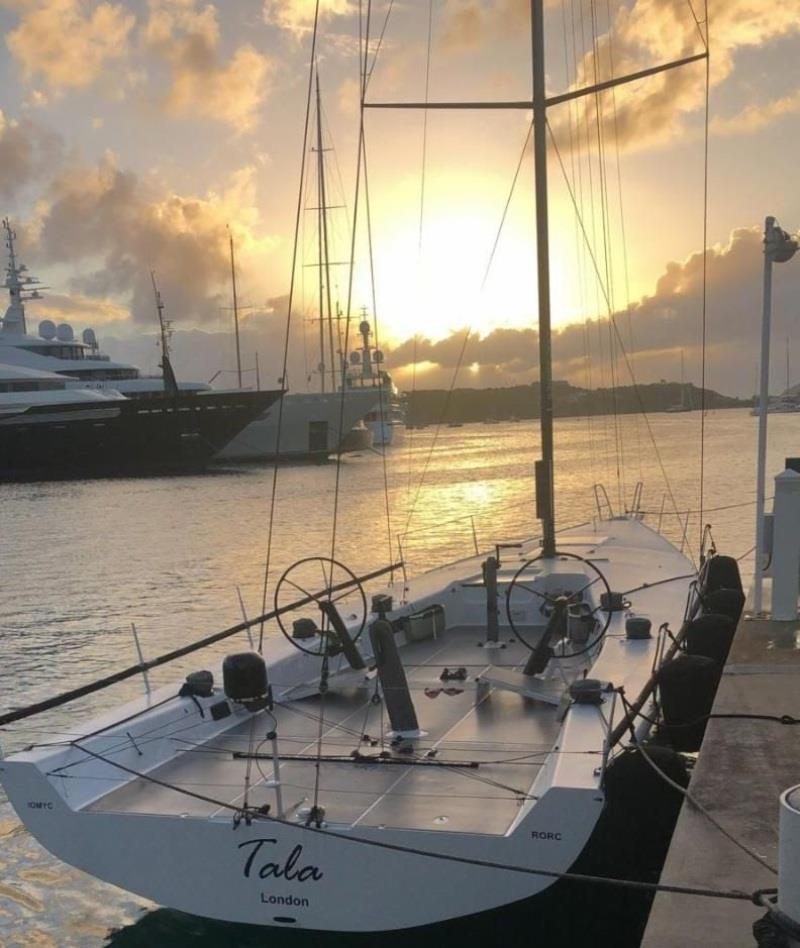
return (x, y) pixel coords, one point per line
(162, 435)
(312, 427)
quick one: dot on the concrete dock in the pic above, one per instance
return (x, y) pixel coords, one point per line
(742, 768)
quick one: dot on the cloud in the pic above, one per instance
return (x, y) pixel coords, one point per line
(80, 309)
(187, 37)
(116, 226)
(755, 117)
(297, 16)
(661, 324)
(69, 43)
(465, 25)
(26, 151)
(642, 34)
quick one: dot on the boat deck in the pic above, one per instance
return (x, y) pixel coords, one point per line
(506, 737)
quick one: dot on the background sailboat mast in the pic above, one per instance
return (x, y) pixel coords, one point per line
(545, 499)
(235, 313)
(324, 263)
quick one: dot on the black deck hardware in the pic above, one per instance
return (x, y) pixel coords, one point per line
(394, 684)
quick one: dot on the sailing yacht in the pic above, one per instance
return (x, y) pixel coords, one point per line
(387, 419)
(431, 751)
(311, 425)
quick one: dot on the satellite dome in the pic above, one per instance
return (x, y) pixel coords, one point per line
(378, 355)
(47, 329)
(363, 326)
(64, 332)
(89, 337)
(355, 358)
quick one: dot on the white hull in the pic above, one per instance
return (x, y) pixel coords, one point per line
(158, 838)
(312, 426)
(159, 858)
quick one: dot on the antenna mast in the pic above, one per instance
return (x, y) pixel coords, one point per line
(170, 382)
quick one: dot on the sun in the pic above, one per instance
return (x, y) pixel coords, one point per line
(456, 273)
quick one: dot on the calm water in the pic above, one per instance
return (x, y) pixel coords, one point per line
(82, 561)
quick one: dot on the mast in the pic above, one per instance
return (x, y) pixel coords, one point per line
(683, 384)
(545, 499)
(235, 313)
(21, 288)
(324, 265)
(787, 364)
(320, 274)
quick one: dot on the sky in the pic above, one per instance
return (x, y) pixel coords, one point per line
(136, 135)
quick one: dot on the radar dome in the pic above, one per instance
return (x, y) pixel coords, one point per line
(47, 329)
(355, 358)
(363, 327)
(64, 332)
(89, 337)
(378, 356)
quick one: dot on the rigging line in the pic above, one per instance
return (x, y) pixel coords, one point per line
(424, 161)
(625, 269)
(324, 270)
(438, 428)
(708, 510)
(584, 114)
(467, 335)
(703, 37)
(362, 160)
(314, 813)
(298, 215)
(695, 803)
(580, 252)
(705, 284)
(505, 209)
(425, 127)
(339, 452)
(628, 365)
(659, 582)
(337, 725)
(248, 771)
(730, 894)
(381, 392)
(378, 46)
(606, 232)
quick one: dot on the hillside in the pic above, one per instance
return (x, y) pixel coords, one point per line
(522, 401)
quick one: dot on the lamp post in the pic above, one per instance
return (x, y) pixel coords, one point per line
(778, 248)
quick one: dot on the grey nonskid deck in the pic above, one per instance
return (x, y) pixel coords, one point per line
(506, 734)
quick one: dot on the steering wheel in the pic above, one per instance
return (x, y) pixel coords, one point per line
(557, 602)
(298, 596)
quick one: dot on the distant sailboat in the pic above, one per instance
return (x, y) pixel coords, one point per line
(788, 402)
(683, 405)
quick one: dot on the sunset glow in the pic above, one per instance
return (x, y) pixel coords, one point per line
(134, 132)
